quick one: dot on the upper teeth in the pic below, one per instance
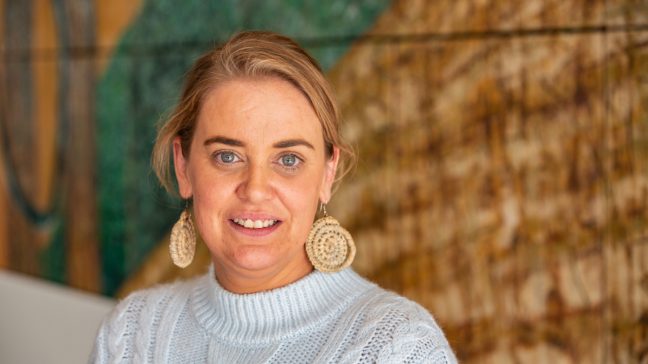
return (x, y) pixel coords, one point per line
(255, 224)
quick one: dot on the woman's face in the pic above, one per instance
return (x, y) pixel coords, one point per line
(256, 170)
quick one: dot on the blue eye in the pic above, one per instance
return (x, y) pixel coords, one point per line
(289, 160)
(226, 157)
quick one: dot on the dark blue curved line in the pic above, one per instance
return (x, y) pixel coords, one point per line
(63, 91)
(41, 219)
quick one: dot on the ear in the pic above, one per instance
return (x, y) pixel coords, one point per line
(180, 164)
(329, 175)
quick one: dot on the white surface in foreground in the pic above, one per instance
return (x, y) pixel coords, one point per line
(41, 322)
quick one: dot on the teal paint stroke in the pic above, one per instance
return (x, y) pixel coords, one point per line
(141, 86)
(52, 258)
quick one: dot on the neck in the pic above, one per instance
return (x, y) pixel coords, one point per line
(241, 281)
(277, 315)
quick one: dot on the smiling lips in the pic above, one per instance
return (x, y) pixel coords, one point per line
(254, 227)
(254, 224)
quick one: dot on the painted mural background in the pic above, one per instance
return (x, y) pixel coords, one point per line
(503, 172)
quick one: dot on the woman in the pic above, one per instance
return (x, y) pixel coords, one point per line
(256, 146)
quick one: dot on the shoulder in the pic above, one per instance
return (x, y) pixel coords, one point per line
(393, 328)
(141, 304)
(127, 328)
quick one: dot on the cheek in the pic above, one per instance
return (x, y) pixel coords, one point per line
(209, 198)
(302, 199)
(302, 221)
(208, 185)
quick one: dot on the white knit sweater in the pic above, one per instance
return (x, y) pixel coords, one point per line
(322, 318)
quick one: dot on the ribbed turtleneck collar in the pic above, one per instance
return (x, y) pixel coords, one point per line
(278, 314)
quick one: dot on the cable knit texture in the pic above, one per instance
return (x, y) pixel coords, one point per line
(322, 318)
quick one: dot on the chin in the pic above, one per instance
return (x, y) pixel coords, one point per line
(256, 257)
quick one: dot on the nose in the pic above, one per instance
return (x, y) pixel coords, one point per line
(255, 185)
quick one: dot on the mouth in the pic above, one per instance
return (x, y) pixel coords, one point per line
(255, 224)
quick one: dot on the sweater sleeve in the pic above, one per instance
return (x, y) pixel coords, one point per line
(397, 330)
(114, 341)
(416, 338)
(100, 350)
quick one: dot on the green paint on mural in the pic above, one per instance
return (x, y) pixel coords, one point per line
(53, 260)
(143, 81)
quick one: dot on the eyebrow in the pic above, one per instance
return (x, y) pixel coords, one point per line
(237, 143)
(224, 140)
(292, 143)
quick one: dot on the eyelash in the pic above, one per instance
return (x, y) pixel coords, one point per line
(217, 156)
(298, 161)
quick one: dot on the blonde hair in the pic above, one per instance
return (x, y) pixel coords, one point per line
(249, 54)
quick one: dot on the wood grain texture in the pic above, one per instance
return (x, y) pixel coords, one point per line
(500, 176)
(76, 24)
(113, 19)
(45, 109)
(4, 191)
(17, 116)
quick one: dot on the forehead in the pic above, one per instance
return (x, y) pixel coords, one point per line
(267, 107)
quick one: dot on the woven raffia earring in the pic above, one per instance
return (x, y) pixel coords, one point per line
(329, 246)
(182, 244)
